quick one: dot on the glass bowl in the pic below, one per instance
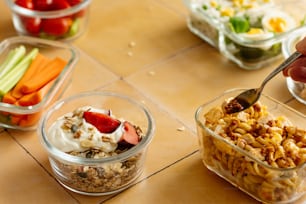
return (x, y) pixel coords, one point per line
(262, 155)
(296, 88)
(241, 30)
(30, 114)
(105, 174)
(64, 24)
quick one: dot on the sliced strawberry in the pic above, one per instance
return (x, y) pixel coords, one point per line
(130, 135)
(104, 123)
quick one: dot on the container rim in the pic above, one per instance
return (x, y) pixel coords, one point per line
(55, 152)
(235, 147)
(47, 14)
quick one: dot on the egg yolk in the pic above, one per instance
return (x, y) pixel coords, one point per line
(277, 24)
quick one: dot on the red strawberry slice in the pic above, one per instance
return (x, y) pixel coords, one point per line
(104, 123)
(130, 135)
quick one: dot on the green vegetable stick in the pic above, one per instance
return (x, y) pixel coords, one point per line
(8, 81)
(12, 59)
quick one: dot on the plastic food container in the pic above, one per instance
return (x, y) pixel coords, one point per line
(256, 158)
(248, 33)
(296, 88)
(32, 113)
(65, 24)
(102, 175)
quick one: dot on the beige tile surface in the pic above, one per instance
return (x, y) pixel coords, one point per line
(144, 50)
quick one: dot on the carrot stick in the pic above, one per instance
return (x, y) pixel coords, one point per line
(35, 67)
(9, 98)
(15, 119)
(48, 73)
(35, 97)
(30, 119)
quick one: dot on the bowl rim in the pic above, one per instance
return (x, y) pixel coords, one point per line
(47, 14)
(58, 154)
(199, 114)
(32, 41)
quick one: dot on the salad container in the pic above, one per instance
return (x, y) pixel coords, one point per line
(296, 88)
(105, 172)
(249, 33)
(15, 115)
(56, 20)
(261, 150)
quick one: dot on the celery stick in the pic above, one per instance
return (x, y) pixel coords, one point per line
(12, 59)
(8, 81)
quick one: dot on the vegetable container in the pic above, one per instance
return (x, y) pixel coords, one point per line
(296, 87)
(106, 173)
(248, 33)
(261, 150)
(53, 20)
(25, 117)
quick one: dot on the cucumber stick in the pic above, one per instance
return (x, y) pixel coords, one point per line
(10, 79)
(14, 56)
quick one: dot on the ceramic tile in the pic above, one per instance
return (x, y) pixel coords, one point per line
(88, 74)
(187, 181)
(6, 25)
(23, 180)
(177, 5)
(137, 38)
(188, 80)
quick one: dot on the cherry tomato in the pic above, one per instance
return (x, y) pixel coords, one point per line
(74, 2)
(60, 4)
(43, 5)
(56, 26)
(25, 3)
(32, 25)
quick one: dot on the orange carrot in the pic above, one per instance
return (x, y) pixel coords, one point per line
(35, 67)
(48, 73)
(9, 98)
(30, 119)
(15, 119)
(35, 97)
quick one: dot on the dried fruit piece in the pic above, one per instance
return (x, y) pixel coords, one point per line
(130, 134)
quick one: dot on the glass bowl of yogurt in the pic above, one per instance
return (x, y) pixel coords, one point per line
(96, 141)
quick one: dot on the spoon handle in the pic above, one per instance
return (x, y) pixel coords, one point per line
(281, 67)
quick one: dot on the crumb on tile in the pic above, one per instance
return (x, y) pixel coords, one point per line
(182, 128)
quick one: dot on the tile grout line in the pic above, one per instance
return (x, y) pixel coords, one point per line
(32, 156)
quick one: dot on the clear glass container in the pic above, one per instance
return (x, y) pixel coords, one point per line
(99, 176)
(65, 24)
(296, 88)
(249, 33)
(242, 163)
(49, 49)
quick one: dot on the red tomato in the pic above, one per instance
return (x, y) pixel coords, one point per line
(60, 4)
(32, 25)
(25, 4)
(42, 5)
(56, 26)
(74, 2)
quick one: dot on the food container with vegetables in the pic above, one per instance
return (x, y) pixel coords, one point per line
(248, 32)
(97, 141)
(260, 150)
(53, 20)
(33, 73)
(296, 81)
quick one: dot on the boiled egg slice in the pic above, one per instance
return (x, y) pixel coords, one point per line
(278, 22)
(256, 34)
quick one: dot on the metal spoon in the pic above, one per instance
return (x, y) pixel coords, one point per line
(247, 98)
